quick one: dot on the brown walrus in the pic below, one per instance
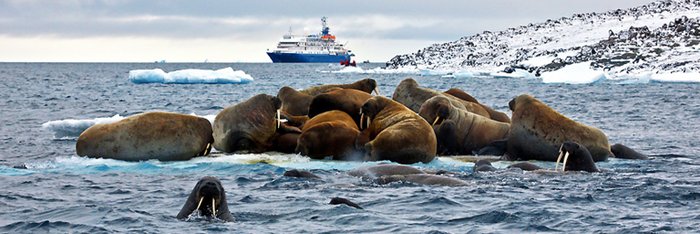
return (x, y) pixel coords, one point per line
(252, 126)
(153, 135)
(394, 132)
(495, 115)
(347, 100)
(294, 102)
(366, 85)
(412, 96)
(458, 131)
(331, 133)
(537, 131)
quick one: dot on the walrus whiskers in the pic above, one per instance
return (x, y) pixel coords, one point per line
(200, 203)
(436, 120)
(213, 207)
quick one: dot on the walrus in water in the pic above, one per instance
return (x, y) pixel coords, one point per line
(153, 135)
(412, 96)
(388, 173)
(622, 151)
(209, 199)
(347, 100)
(366, 85)
(458, 131)
(537, 131)
(294, 102)
(254, 126)
(331, 133)
(495, 115)
(575, 158)
(394, 132)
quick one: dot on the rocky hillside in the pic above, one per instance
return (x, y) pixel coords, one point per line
(659, 37)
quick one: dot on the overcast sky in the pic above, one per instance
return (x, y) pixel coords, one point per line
(241, 31)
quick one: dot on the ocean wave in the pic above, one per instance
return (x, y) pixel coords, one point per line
(190, 76)
(378, 70)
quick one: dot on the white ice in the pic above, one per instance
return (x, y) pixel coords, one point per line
(190, 76)
(378, 70)
(578, 73)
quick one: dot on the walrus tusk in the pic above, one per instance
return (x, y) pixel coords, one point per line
(200, 203)
(376, 90)
(362, 119)
(556, 167)
(566, 157)
(436, 120)
(369, 121)
(279, 117)
(213, 207)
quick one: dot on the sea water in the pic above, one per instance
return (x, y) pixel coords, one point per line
(47, 188)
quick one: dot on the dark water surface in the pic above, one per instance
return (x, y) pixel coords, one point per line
(59, 192)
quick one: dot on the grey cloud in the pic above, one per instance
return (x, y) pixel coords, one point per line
(206, 19)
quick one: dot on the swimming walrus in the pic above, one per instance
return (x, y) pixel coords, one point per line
(537, 131)
(412, 96)
(394, 132)
(575, 157)
(209, 199)
(331, 133)
(622, 151)
(153, 135)
(254, 126)
(366, 85)
(460, 132)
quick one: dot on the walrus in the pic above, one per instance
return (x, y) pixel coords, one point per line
(209, 199)
(294, 102)
(375, 171)
(575, 158)
(296, 173)
(525, 166)
(347, 100)
(412, 96)
(494, 114)
(366, 85)
(340, 200)
(331, 133)
(483, 166)
(425, 179)
(460, 132)
(394, 132)
(537, 131)
(622, 151)
(253, 125)
(153, 135)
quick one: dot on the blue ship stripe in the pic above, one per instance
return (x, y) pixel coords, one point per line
(306, 58)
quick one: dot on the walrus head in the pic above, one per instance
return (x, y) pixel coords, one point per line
(368, 85)
(369, 110)
(576, 158)
(250, 125)
(513, 104)
(435, 110)
(208, 199)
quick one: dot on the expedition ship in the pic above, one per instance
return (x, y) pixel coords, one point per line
(314, 48)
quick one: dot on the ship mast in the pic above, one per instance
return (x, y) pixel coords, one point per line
(324, 26)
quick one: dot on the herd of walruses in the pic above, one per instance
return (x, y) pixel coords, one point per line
(346, 122)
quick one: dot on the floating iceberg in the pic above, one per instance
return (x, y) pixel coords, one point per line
(72, 128)
(578, 73)
(190, 76)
